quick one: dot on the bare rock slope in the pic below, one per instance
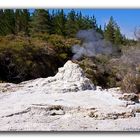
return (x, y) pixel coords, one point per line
(67, 101)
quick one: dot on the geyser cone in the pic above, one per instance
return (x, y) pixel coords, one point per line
(70, 78)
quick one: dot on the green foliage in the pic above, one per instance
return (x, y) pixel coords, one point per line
(63, 56)
(18, 21)
(7, 22)
(59, 22)
(41, 21)
(109, 30)
(14, 22)
(57, 41)
(35, 45)
(2, 32)
(110, 71)
(71, 26)
(26, 21)
(96, 69)
(24, 58)
(62, 45)
(112, 32)
(21, 59)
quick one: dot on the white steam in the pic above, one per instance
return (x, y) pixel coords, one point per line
(93, 44)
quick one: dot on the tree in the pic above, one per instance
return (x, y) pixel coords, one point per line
(94, 23)
(25, 21)
(110, 30)
(82, 22)
(7, 22)
(71, 25)
(52, 22)
(112, 33)
(88, 23)
(41, 21)
(118, 40)
(59, 23)
(2, 26)
(18, 21)
(79, 19)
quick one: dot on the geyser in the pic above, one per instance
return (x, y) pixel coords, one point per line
(92, 44)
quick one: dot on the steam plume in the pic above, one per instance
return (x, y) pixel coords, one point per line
(92, 44)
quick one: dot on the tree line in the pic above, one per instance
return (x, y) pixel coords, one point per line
(15, 21)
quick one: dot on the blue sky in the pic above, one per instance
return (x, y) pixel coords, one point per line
(127, 19)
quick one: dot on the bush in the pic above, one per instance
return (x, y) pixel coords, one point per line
(131, 83)
(22, 60)
(96, 69)
(110, 71)
(62, 46)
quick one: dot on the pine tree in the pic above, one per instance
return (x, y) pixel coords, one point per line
(9, 21)
(110, 30)
(18, 21)
(41, 21)
(79, 19)
(25, 21)
(52, 22)
(88, 23)
(83, 23)
(2, 25)
(71, 24)
(59, 23)
(118, 36)
(94, 23)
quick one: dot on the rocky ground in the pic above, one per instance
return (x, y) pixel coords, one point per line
(66, 102)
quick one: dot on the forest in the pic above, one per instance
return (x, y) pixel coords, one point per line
(35, 44)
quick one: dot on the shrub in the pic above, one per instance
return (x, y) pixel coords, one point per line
(22, 60)
(108, 72)
(96, 69)
(131, 83)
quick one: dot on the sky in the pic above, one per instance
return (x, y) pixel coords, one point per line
(127, 19)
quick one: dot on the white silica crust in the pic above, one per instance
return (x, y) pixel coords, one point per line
(69, 78)
(67, 101)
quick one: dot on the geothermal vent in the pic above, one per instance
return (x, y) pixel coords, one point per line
(70, 78)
